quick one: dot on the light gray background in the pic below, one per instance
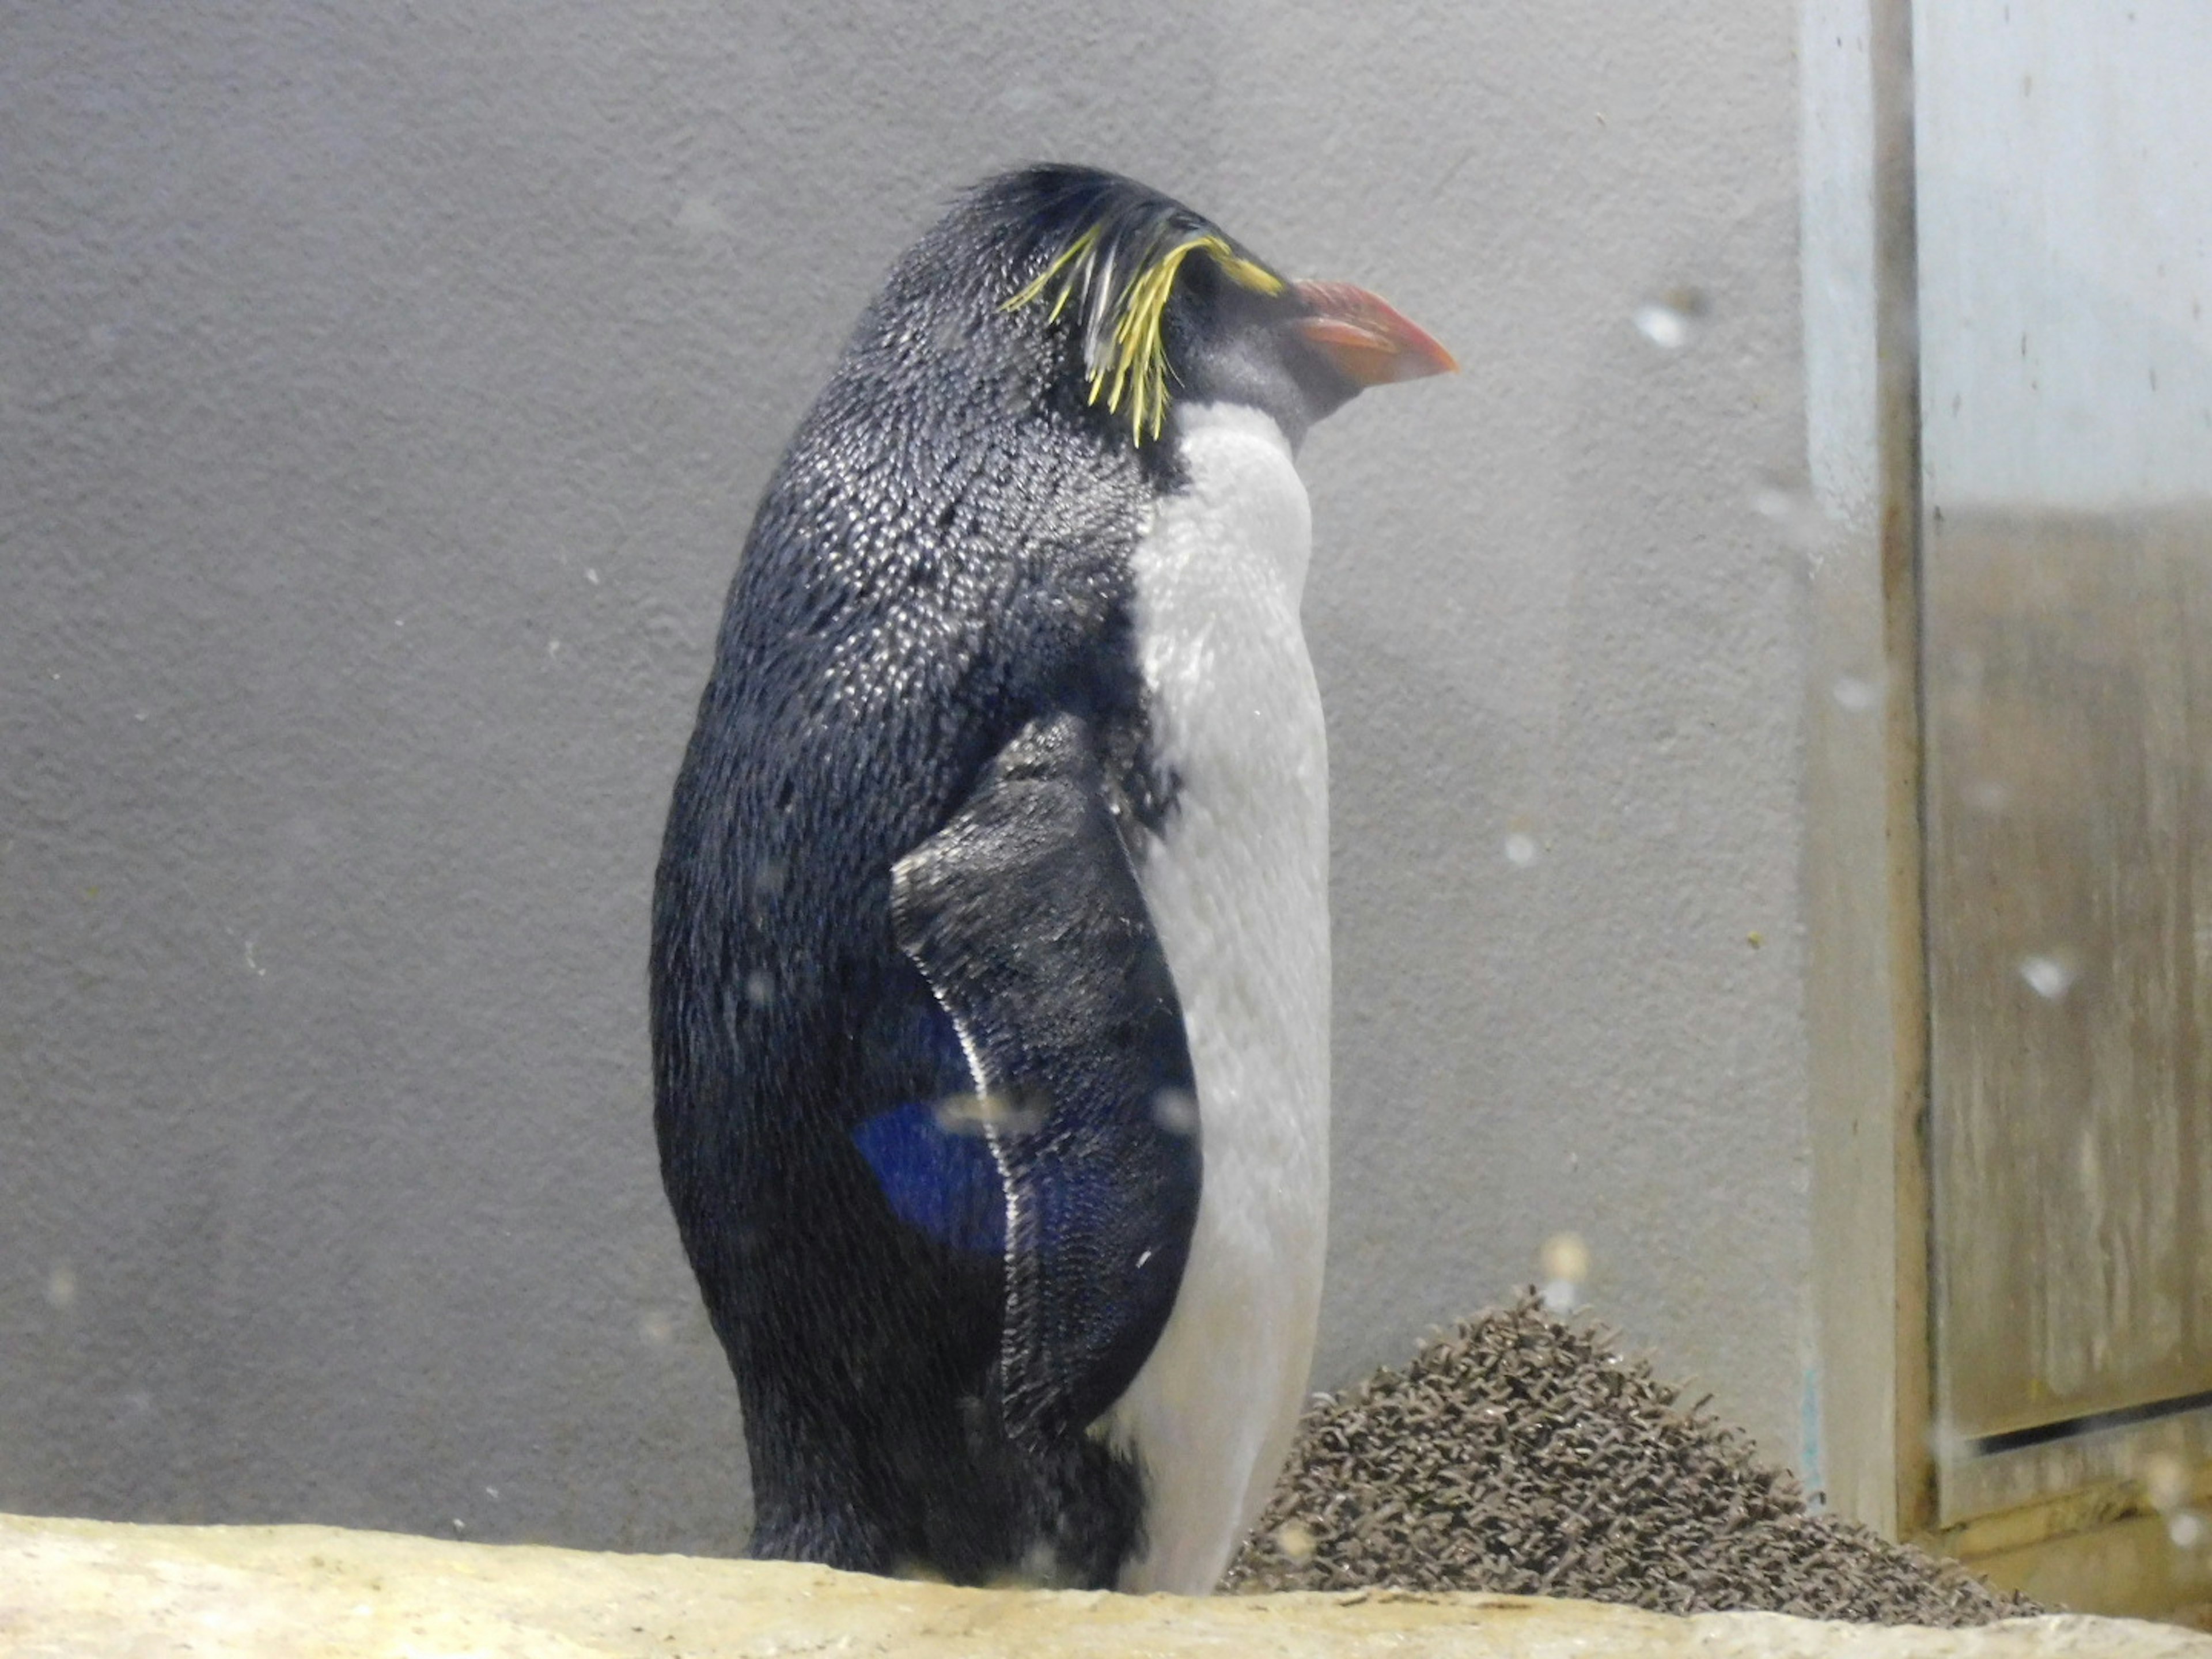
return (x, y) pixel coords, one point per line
(384, 393)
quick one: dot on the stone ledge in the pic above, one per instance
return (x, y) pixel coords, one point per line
(82, 1587)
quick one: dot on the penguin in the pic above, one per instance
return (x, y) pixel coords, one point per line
(989, 966)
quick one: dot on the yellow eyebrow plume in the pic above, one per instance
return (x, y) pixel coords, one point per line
(1123, 348)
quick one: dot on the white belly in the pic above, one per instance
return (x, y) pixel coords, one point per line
(1237, 886)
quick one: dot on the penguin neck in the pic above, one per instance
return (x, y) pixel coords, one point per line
(1238, 468)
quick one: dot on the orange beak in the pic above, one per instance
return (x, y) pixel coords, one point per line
(1369, 341)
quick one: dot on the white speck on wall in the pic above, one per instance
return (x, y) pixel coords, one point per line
(1795, 512)
(1664, 326)
(1564, 1263)
(1521, 851)
(2052, 975)
(1855, 693)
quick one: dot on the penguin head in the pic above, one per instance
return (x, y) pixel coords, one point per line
(1159, 305)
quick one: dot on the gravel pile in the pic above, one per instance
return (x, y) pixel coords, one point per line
(1523, 1454)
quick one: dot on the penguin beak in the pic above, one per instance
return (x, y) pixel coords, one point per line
(1370, 342)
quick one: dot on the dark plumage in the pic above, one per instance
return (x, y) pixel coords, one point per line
(911, 1026)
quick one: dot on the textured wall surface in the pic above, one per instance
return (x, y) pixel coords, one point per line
(383, 396)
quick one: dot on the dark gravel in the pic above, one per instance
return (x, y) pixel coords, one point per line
(1521, 1453)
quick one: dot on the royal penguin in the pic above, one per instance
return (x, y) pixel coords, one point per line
(989, 971)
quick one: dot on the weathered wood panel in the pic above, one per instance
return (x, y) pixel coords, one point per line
(2068, 685)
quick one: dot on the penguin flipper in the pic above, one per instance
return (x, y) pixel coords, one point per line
(1024, 916)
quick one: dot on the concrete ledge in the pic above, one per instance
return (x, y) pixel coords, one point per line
(83, 1587)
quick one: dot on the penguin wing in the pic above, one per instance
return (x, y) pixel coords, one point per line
(1024, 916)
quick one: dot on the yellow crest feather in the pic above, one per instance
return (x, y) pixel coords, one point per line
(1123, 349)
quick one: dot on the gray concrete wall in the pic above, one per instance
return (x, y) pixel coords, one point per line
(383, 396)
